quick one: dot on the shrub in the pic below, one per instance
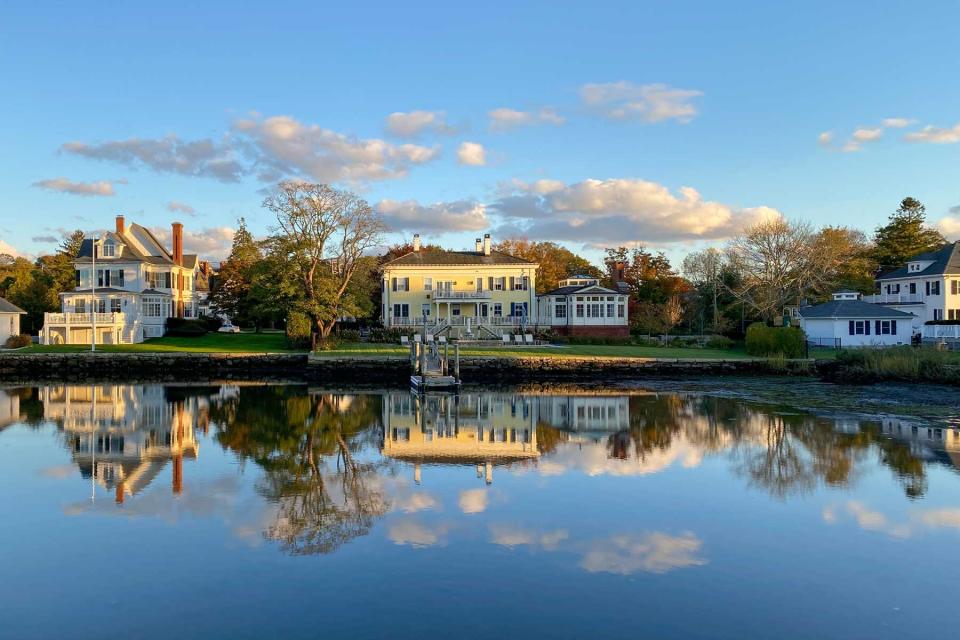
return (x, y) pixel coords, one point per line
(16, 342)
(349, 335)
(186, 327)
(767, 341)
(330, 343)
(212, 323)
(719, 342)
(385, 336)
(298, 330)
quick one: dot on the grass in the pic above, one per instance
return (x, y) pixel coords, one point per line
(902, 363)
(364, 349)
(268, 342)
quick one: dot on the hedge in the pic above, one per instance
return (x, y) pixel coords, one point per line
(764, 341)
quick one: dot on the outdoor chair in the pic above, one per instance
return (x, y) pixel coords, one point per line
(528, 338)
(417, 338)
(518, 338)
(404, 340)
(442, 339)
(506, 338)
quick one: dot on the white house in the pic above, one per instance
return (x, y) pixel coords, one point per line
(579, 306)
(130, 291)
(9, 320)
(928, 288)
(847, 321)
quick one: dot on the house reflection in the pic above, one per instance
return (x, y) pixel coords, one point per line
(9, 407)
(927, 443)
(485, 430)
(123, 436)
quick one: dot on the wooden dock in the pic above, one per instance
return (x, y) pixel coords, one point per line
(430, 367)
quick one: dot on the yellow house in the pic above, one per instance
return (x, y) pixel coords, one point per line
(466, 291)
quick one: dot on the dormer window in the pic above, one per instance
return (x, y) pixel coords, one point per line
(109, 249)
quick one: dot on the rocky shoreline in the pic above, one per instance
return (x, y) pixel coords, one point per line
(194, 367)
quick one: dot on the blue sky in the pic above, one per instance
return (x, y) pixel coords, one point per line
(667, 124)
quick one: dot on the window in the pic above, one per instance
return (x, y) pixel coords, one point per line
(938, 314)
(560, 311)
(109, 249)
(955, 314)
(151, 307)
(79, 306)
(101, 306)
(518, 309)
(954, 286)
(479, 285)
(621, 311)
(859, 327)
(116, 305)
(886, 327)
(401, 311)
(103, 277)
(455, 309)
(425, 309)
(913, 287)
(609, 310)
(400, 284)
(428, 284)
(579, 310)
(497, 310)
(935, 287)
(498, 284)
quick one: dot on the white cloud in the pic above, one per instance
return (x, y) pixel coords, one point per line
(65, 185)
(867, 135)
(617, 210)
(513, 536)
(473, 500)
(410, 215)
(653, 553)
(825, 139)
(414, 123)
(10, 250)
(284, 146)
(505, 118)
(936, 135)
(203, 158)
(646, 102)
(472, 153)
(949, 226)
(897, 123)
(211, 243)
(180, 207)
(408, 531)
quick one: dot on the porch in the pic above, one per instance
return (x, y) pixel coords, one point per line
(79, 328)
(948, 332)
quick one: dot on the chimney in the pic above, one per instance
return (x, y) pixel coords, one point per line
(120, 225)
(416, 242)
(178, 243)
(486, 244)
(479, 245)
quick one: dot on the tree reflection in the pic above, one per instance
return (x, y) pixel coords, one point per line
(307, 445)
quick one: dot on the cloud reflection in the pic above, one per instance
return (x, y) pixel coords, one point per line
(655, 552)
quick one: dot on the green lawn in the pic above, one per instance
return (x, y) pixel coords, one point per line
(272, 342)
(608, 351)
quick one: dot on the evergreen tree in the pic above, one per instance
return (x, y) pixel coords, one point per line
(231, 295)
(905, 235)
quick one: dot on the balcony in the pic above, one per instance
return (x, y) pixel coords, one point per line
(941, 332)
(446, 295)
(102, 319)
(894, 298)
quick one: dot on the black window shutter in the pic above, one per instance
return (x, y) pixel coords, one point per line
(866, 327)
(852, 330)
(490, 283)
(877, 328)
(393, 284)
(893, 327)
(512, 282)
(76, 276)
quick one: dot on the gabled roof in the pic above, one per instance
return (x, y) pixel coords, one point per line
(852, 309)
(441, 258)
(8, 307)
(133, 238)
(582, 289)
(943, 261)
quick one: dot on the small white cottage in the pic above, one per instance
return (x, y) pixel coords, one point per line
(9, 320)
(847, 321)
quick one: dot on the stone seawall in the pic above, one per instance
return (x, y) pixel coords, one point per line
(195, 367)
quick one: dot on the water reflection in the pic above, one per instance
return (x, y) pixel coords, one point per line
(331, 464)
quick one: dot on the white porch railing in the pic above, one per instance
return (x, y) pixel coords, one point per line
(444, 295)
(941, 331)
(84, 318)
(461, 321)
(894, 298)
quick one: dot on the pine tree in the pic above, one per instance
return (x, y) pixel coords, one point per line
(905, 235)
(231, 294)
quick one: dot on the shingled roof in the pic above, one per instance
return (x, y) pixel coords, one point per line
(441, 258)
(8, 307)
(943, 261)
(851, 309)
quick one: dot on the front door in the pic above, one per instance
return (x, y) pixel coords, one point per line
(483, 310)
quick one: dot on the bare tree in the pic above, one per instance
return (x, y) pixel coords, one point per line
(704, 269)
(777, 263)
(321, 235)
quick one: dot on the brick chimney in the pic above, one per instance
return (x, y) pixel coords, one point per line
(121, 226)
(486, 244)
(416, 242)
(177, 229)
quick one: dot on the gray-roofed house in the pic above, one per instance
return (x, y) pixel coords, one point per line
(927, 287)
(848, 321)
(9, 320)
(138, 284)
(579, 306)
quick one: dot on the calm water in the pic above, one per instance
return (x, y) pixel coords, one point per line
(155, 511)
